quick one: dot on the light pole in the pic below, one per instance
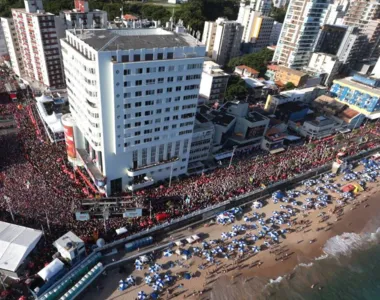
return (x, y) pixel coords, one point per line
(7, 200)
(150, 209)
(232, 156)
(171, 175)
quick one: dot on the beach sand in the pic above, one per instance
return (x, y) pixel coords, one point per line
(233, 279)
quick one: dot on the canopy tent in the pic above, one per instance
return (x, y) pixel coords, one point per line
(121, 230)
(348, 188)
(51, 269)
(16, 242)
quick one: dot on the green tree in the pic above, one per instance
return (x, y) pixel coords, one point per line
(278, 14)
(339, 137)
(289, 86)
(236, 88)
(257, 61)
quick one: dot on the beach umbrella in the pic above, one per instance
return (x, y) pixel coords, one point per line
(205, 244)
(155, 287)
(226, 256)
(131, 280)
(160, 284)
(139, 267)
(138, 262)
(241, 250)
(156, 276)
(122, 285)
(187, 276)
(154, 295)
(230, 248)
(255, 249)
(141, 295)
(224, 236)
(148, 279)
(168, 278)
(210, 259)
(168, 253)
(158, 267)
(152, 269)
(196, 250)
(233, 234)
(214, 251)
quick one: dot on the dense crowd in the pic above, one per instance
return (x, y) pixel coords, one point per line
(42, 196)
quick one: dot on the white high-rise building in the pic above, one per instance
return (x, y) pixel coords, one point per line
(13, 45)
(3, 43)
(222, 39)
(299, 32)
(336, 12)
(38, 35)
(133, 95)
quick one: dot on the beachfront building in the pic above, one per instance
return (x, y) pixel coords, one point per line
(299, 31)
(13, 46)
(213, 83)
(81, 17)
(38, 36)
(222, 39)
(133, 95)
(362, 93)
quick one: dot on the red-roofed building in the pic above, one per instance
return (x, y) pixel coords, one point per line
(245, 71)
(128, 17)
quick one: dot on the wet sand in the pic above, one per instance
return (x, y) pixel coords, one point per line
(233, 278)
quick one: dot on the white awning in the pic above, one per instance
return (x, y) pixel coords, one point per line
(223, 155)
(277, 150)
(51, 269)
(121, 230)
(16, 242)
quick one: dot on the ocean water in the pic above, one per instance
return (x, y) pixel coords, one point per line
(350, 270)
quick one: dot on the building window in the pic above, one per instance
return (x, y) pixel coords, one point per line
(169, 55)
(127, 125)
(137, 124)
(170, 79)
(149, 92)
(138, 114)
(127, 72)
(160, 56)
(127, 83)
(179, 78)
(137, 142)
(160, 80)
(139, 71)
(138, 94)
(138, 82)
(161, 69)
(136, 57)
(169, 90)
(160, 91)
(148, 56)
(150, 102)
(125, 58)
(150, 81)
(137, 104)
(158, 111)
(178, 88)
(128, 105)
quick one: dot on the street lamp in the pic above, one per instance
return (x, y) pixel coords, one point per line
(232, 156)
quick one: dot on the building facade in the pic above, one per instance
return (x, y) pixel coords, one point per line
(13, 46)
(350, 50)
(300, 29)
(361, 93)
(82, 17)
(3, 43)
(133, 95)
(324, 65)
(260, 35)
(38, 35)
(285, 75)
(213, 82)
(275, 34)
(222, 39)
(330, 38)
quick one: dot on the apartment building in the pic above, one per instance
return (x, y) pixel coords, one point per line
(3, 44)
(13, 46)
(133, 95)
(300, 29)
(222, 39)
(82, 17)
(285, 75)
(38, 36)
(323, 65)
(275, 33)
(213, 82)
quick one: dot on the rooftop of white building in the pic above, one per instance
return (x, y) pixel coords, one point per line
(114, 39)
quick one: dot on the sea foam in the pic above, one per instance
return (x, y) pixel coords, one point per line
(346, 243)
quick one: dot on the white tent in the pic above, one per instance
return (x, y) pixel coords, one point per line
(51, 269)
(16, 242)
(121, 230)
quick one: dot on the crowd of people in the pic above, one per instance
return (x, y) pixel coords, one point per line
(40, 195)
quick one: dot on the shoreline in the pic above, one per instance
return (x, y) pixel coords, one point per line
(226, 279)
(353, 221)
